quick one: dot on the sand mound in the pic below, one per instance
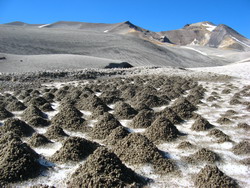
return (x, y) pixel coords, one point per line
(162, 130)
(211, 176)
(4, 113)
(108, 171)
(38, 122)
(18, 127)
(138, 149)
(37, 101)
(221, 136)
(124, 111)
(226, 91)
(104, 126)
(185, 145)
(18, 161)
(183, 108)
(244, 126)
(198, 91)
(211, 99)
(201, 124)
(224, 121)
(99, 111)
(49, 96)
(143, 119)
(116, 134)
(242, 148)
(55, 132)
(234, 101)
(32, 111)
(47, 107)
(22, 94)
(245, 161)
(38, 140)
(111, 96)
(171, 115)
(35, 92)
(91, 102)
(15, 106)
(142, 106)
(70, 118)
(203, 155)
(74, 149)
(149, 100)
(128, 91)
(230, 113)
(193, 99)
(60, 93)
(195, 95)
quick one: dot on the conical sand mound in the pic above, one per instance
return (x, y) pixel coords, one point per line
(149, 100)
(211, 176)
(203, 155)
(143, 119)
(242, 148)
(16, 106)
(171, 115)
(124, 111)
(18, 161)
(38, 122)
(18, 127)
(104, 126)
(74, 149)
(201, 124)
(55, 132)
(31, 112)
(116, 134)
(91, 102)
(4, 113)
(138, 149)
(221, 136)
(70, 118)
(104, 169)
(162, 130)
(183, 108)
(38, 140)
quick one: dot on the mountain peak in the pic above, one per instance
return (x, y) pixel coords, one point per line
(199, 25)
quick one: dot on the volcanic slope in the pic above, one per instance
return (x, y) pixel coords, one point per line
(134, 50)
(208, 34)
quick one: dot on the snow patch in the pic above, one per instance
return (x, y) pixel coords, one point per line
(237, 70)
(209, 27)
(195, 42)
(106, 31)
(240, 41)
(48, 150)
(45, 25)
(190, 48)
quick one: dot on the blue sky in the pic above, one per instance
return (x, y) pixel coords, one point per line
(156, 15)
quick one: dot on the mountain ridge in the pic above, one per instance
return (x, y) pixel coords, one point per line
(201, 33)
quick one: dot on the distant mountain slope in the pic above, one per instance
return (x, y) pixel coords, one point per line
(118, 28)
(29, 63)
(201, 33)
(110, 45)
(208, 34)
